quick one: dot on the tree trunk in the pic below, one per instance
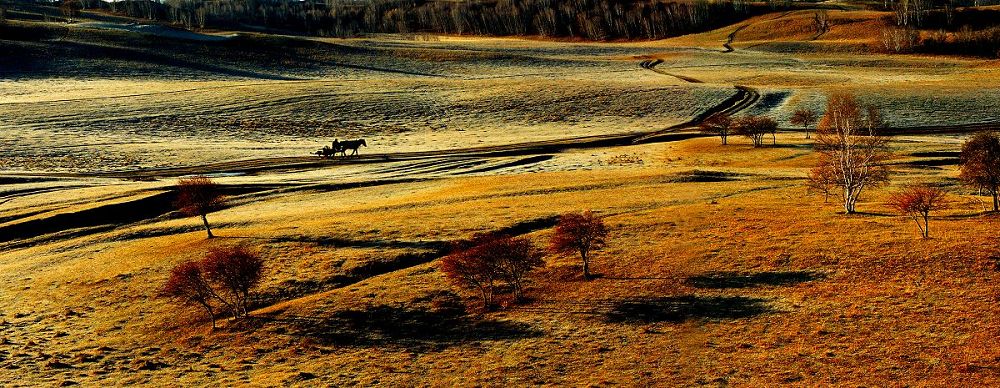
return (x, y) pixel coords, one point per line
(996, 200)
(848, 201)
(927, 232)
(586, 265)
(723, 139)
(204, 219)
(211, 314)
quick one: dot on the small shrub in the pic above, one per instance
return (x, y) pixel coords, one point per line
(918, 202)
(187, 284)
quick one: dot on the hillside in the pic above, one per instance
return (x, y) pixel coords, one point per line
(720, 267)
(699, 285)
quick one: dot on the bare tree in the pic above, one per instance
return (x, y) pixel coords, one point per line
(580, 233)
(852, 150)
(823, 180)
(755, 128)
(805, 118)
(821, 23)
(918, 202)
(981, 164)
(199, 196)
(719, 125)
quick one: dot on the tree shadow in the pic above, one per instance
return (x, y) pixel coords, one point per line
(688, 307)
(791, 146)
(866, 214)
(408, 328)
(747, 280)
(338, 242)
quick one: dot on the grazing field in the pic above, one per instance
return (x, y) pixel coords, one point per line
(138, 105)
(752, 299)
(720, 267)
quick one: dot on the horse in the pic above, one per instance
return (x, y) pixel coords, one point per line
(352, 145)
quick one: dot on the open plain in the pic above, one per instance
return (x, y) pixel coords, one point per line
(720, 267)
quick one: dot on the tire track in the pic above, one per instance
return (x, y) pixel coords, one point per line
(732, 37)
(744, 98)
(651, 65)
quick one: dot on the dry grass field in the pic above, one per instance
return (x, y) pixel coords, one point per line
(720, 267)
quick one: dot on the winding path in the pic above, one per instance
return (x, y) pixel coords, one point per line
(732, 37)
(650, 64)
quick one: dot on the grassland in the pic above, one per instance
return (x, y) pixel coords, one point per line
(707, 281)
(721, 268)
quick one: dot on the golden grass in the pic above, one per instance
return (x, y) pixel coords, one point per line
(882, 307)
(839, 300)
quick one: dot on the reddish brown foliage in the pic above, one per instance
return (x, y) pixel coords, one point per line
(804, 118)
(487, 261)
(222, 280)
(188, 285)
(719, 125)
(981, 164)
(755, 127)
(918, 202)
(236, 271)
(199, 196)
(579, 233)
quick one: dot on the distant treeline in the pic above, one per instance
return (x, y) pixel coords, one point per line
(583, 19)
(964, 31)
(981, 43)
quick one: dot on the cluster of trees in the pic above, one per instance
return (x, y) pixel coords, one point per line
(854, 156)
(221, 282)
(487, 261)
(938, 13)
(489, 264)
(588, 19)
(848, 138)
(947, 29)
(980, 169)
(752, 127)
(981, 43)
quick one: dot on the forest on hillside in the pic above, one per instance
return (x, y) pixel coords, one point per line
(597, 20)
(580, 19)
